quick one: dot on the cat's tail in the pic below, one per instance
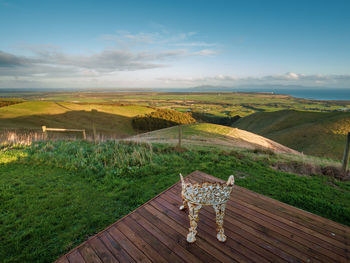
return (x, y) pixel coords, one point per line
(182, 179)
(230, 181)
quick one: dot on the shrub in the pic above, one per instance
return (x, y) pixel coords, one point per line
(161, 118)
(206, 117)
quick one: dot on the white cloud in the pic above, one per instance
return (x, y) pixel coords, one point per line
(291, 75)
(317, 80)
(195, 44)
(205, 52)
(163, 37)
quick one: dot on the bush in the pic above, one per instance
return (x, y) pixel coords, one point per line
(205, 117)
(160, 119)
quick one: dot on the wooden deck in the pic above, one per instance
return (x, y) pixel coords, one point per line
(258, 229)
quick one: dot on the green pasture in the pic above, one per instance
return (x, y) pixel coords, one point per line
(54, 195)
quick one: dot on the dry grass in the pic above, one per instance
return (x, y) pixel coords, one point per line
(213, 134)
(27, 137)
(23, 138)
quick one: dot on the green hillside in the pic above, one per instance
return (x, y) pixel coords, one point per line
(214, 135)
(109, 118)
(314, 133)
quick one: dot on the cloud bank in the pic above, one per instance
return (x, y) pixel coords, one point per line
(290, 78)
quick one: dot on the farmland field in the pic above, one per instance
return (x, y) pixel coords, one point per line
(327, 122)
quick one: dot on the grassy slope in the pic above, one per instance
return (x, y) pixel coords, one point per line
(34, 114)
(315, 133)
(212, 134)
(56, 194)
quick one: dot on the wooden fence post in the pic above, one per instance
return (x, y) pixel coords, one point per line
(94, 112)
(180, 136)
(44, 132)
(94, 131)
(346, 153)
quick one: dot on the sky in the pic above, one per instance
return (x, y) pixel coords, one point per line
(174, 44)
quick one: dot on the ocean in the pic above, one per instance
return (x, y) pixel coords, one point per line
(297, 91)
(333, 94)
(315, 94)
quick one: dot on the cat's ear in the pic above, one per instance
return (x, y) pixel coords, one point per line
(182, 179)
(230, 181)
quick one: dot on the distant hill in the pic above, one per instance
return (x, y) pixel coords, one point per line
(314, 133)
(213, 135)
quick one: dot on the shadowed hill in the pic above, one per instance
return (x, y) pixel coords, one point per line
(214, 135)
(106, 124)
(108, 118)
(314, 133)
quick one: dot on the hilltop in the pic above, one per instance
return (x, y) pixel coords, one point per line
(214, 135)
(315, 133)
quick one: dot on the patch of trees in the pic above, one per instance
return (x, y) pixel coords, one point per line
(210, 118)
(161, 118)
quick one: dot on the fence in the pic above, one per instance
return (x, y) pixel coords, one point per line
(45, 130)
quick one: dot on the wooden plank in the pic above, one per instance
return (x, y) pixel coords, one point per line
(163, 214)
(241, 220)
(284, 256)
(254, 236)
(62, 260)
(162, 252)
(311, 234)
(333, 236)
(163, 236)
(314, 232)
(115, 248)
(102, 251)
(172, 223)
(289, 236)
(189, 253)
(141, 244)
(342, 246)
(75, 257)
(128, 246)
(302, 215)
(245, 250)
(306, 236)
(209, 236)
(208, 216)
(89, 254)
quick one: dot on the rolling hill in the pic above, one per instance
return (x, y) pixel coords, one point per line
(314, 133)
(108, 118)
(212, 135)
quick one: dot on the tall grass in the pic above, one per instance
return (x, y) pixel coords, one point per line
(20, 137)
(101, 159)
(28, 136)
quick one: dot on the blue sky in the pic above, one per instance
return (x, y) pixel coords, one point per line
(106, 44)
